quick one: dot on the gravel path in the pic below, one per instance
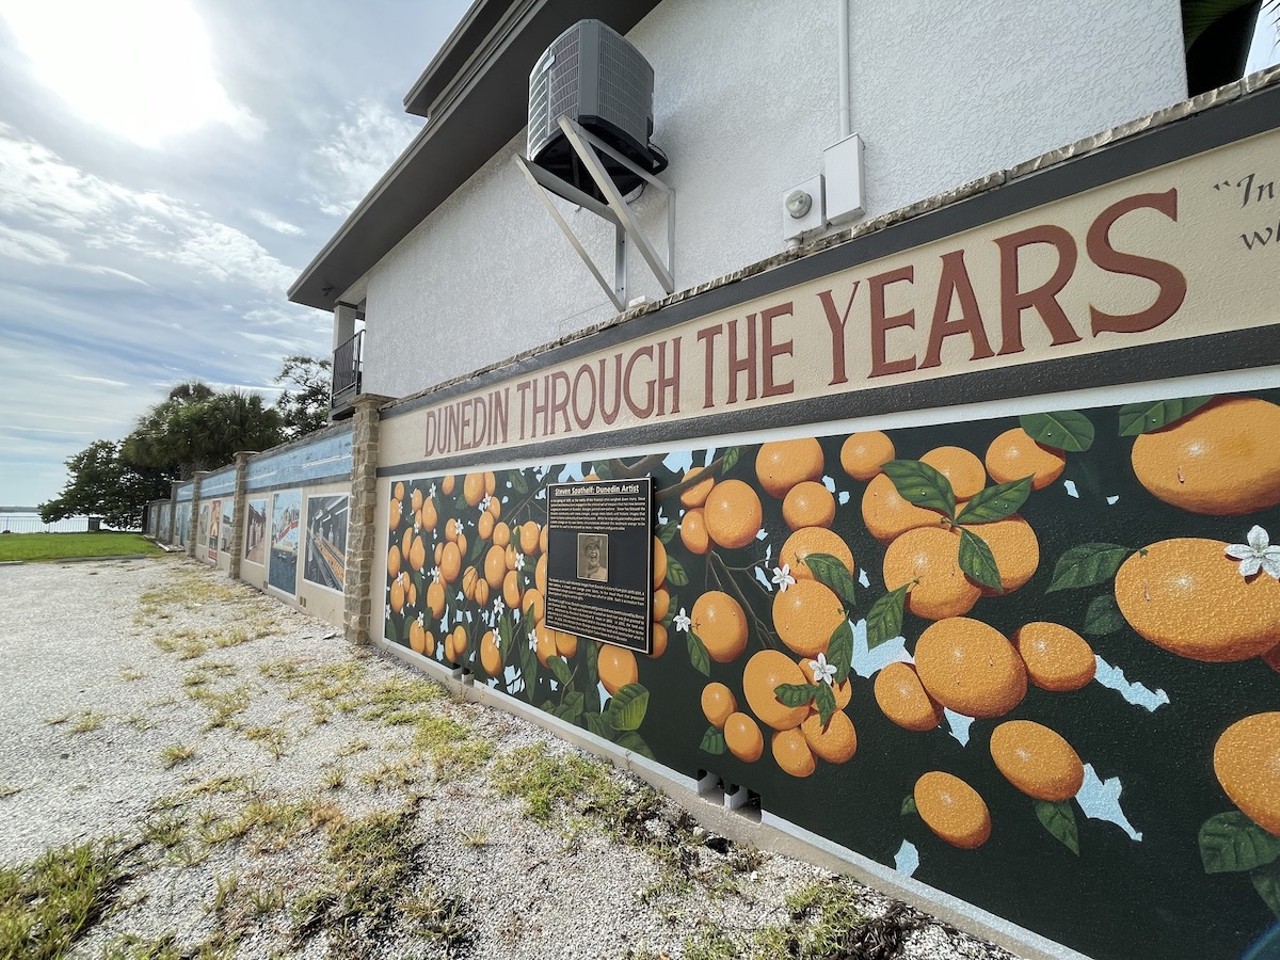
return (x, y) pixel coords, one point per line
(282, 794)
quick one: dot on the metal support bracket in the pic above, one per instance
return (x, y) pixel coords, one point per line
(615, 210)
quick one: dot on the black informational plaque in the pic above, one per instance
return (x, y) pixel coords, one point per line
(600, 561)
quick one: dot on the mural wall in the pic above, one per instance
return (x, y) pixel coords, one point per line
(286, 515)
(1030, 661)
(183, 524)
(326, 541)
(255, 531)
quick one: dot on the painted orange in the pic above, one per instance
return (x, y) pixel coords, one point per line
(764, 673)
(805, 615)
(886, 515)
(1014, 455)
(721, 625)
(781, 464)
(1057, 657)
(904, 700)
(843, 691)
(733, 513)
(659, 563)
(742, 737)
(837, 742)
(809, 540)
(617, 667)
(693, 532)
(1014, 546)
(970, 668)
(1246, 759)
(929, 559)
(808, 504)
(953, 810)
(1188, 597)
(718, 702)
(792, 754)
(863, 454)
(695, 495)
(958, 465)
(1037, 760)
(1221, 460)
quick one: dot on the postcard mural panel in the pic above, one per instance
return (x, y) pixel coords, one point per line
(213, 533)
(224, 531)
(202, 534)
(166, 522)
(1033, 661)
(184, 523)
(255, 531)
(326, 558)
(286, 514)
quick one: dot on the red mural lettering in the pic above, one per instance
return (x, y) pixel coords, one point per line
(708, 337)
(954, 283)
(1171, 281)
(641, 412)
(744, 362)
(1044, 298)
(770, 350)
(584, 421)
(836, 321)
(882, 323)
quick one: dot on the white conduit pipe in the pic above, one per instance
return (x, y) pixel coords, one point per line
(842, 34)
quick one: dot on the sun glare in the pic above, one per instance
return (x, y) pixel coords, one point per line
(140, 68)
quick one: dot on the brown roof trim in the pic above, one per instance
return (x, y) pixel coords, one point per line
(471, 119)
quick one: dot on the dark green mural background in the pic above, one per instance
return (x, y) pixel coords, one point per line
(1203, 881)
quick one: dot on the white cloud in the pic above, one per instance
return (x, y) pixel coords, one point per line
(31, 247)
(103, 380)
(54, 197)
(363, 147)
(276, 224)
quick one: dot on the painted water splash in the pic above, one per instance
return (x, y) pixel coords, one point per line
(867, 663)
(959, 725)
(1136, 693)
(1100, 800)
(907, 859)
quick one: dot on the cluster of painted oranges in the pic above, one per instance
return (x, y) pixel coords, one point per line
(960, 663)
(499, 571)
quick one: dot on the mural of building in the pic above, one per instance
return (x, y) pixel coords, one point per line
(965, 478)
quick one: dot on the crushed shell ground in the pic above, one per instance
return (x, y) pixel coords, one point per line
(222, 738)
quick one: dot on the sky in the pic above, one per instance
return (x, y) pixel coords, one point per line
(167, 169)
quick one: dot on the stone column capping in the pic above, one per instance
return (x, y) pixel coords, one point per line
(362, 534)
(193, 525)
(238, 511)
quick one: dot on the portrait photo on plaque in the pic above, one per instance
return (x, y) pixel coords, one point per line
(593, 556)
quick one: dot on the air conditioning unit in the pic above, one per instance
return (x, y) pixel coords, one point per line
(594, 76)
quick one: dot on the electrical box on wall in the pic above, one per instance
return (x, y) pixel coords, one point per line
(803, 209)
(842, 171)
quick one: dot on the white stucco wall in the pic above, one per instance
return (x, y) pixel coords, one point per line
(745, 101)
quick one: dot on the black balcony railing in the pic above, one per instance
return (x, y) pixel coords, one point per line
(347, 363)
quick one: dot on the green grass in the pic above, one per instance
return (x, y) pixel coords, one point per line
(47, 905)
(72, 546)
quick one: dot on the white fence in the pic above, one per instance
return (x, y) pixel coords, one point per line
(31, 523)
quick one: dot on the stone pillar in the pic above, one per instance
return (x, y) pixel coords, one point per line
(238, 511)
(193, 526)
(362, 536)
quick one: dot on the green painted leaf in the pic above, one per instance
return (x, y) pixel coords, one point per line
(826, 702)
(592, 701)
(921, 484)
(518, 482)
(601, 470)
(1087, 565)
(627, 708)
(729, 459)
(908, 807)
(996, 503)
(667, 532)
(1136, 418)
(675, 572)
(1267, 882)
(1065, 430)
(592, 655)
(560, 669)
(1232, 843)
(840, 650)
(884, 619)
(796, 694)
(635, 743)
(596, 724)
(977, 560)
(698, 655)
(1060, 820)
(477, 548)
(713, 741)
(831, 572)
(504, 634)
(671, 612)
(1103, 616)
